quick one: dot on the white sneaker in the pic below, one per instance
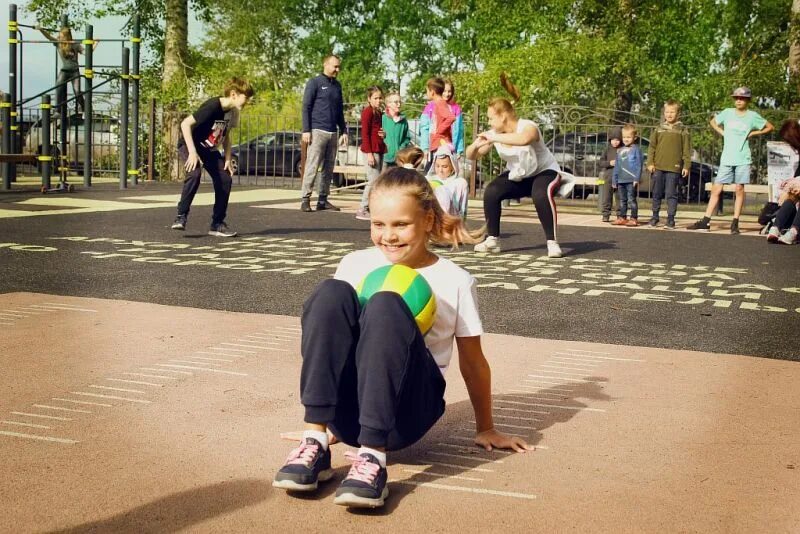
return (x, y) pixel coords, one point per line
(553, 250)
(789, 237)
(489, 244)
(774, 234)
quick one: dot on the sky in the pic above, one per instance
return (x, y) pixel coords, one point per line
(39, 60)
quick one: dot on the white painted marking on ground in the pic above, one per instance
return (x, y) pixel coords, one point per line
(113, 397)
(464, 467)
(546, 393)
(545, 381)
(468, 449)
(64, 305)
(87, 403)
(577, 408)
(589, 351)
(563, 378)
(211, 359)
(166, 371)
(38, 438)
(53, 307)
(33, 311)
(440, 475)
(221, 354)
(261, 342)
(515, 417)
(196, 363)
(6, 324)
(572, 367)
(447, 454)
(289, 328)
(570, 374)
(517, 409)
(142, 382)
(576, 361)
(124, 390)
(233, 350)
(521, 427)
(152, 376)
(241, 345)
(19, 423)
(17, 315)
(541, 388)
(40, 416)
(284, 337)
(203, 369)
(467, 489)
(604, 357)
(59, 408)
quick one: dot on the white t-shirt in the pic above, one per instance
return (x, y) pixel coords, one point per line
(456, 298)
(528, 160)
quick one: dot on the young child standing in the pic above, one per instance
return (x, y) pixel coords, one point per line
(669, 159)
(450, 189)
(736, 125)
(449, 96)
(607, 169)
(368, 374)
(204, 131)
(626, 176)
(395, 127)
(436, 121)
(372, 135)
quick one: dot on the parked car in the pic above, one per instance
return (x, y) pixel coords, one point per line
(581, 153)
(274, 154)
(105, 138)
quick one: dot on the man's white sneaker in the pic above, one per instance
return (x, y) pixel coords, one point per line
(489, 244)
(553, 250)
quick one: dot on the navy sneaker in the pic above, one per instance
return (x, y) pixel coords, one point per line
(221, 230)
(306, 465)
(365, 485)
(180, 223)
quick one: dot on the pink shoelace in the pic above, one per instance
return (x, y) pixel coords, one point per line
(302, 455)
(362, 469)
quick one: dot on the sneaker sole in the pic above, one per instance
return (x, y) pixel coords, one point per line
(490, 250)
(291, 485)
(222, 234)
(363, 218)
(178, 227)
(773, 238)
(354, 501)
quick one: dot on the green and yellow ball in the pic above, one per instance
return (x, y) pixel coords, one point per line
(409, 284)
(435, 183)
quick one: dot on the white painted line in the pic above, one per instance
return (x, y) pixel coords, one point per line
(563, 378)
(241, 345)
(33, 311)
(284, 337)
(515, 417)
(517, 409)
(6, 324)
(574, 361)
(481, 491)
(521, 427)
(475, 448)
(196, 363)
(289, 328)
(202, 369)
(113, 397)
(152, 376)
(262, 342)
(124, 390)
(40, 416)
(141, 382)
(572, 367)
(234, 350)
(546, 382)
(10, 315)
(589, 351)
(87, 403)
(29, 425)
(220, 354)
(577, 408)
(15, 313)
(545, 393)
(166, 371)
(54, 307)
(440, 475)
(602, 357)
(60, 408)
(569, 374)
(574, 358)
(545, 388)
(447, 454)
(39, 438)
(465, 468)
(211, 359)
(75, 306)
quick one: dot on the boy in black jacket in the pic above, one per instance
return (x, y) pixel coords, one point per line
(607, 169)
(203, 132)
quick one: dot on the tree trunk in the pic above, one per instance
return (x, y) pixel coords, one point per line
(173, 81)
(794, 43)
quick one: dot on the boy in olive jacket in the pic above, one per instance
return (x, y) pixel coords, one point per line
(669, 159)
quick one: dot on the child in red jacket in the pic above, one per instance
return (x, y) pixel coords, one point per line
(372, 144)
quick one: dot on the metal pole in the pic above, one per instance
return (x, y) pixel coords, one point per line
(151, 141)
(88, 138)
(5, 114)
(135, 40)
(12, 124)
(46, 156)
(123, 127)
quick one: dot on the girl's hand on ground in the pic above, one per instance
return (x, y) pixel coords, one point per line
(192, 162)
(490, 439)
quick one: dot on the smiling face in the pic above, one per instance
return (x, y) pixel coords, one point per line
(399, 227)
(443, 167)
(448, 92)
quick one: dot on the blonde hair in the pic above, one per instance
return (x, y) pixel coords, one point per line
(630, 129)
(390, 94)
(411, 155)
(65, 44)
(447, 229)
(503, 107)
(673, 103)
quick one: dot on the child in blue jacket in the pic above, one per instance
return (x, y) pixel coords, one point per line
(626, 177)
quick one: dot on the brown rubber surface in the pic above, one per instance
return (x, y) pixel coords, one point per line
(628, 439)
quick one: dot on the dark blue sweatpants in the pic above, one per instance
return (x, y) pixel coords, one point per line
(367, 373)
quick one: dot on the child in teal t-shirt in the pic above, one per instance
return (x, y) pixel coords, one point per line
(736, 125)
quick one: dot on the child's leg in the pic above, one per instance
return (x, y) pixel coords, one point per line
(604, 191)
(545, 186)
(190, 183)
(658, 179)
(372, 174)
(786, 215)
(622, 192)
(498, 190)
(671, 185)
(633, 194)
(221, 178)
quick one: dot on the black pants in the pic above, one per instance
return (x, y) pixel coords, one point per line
(787, 216)
(665, 183)
(541, 187)
(367, 373)
(66, 77)
(214, 163)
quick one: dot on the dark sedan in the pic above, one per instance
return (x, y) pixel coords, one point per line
(271, 154)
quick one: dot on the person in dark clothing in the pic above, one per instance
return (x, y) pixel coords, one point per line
(203, 132)
(787, 219)
(607, 169)
(323, 114)
(69, 73)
